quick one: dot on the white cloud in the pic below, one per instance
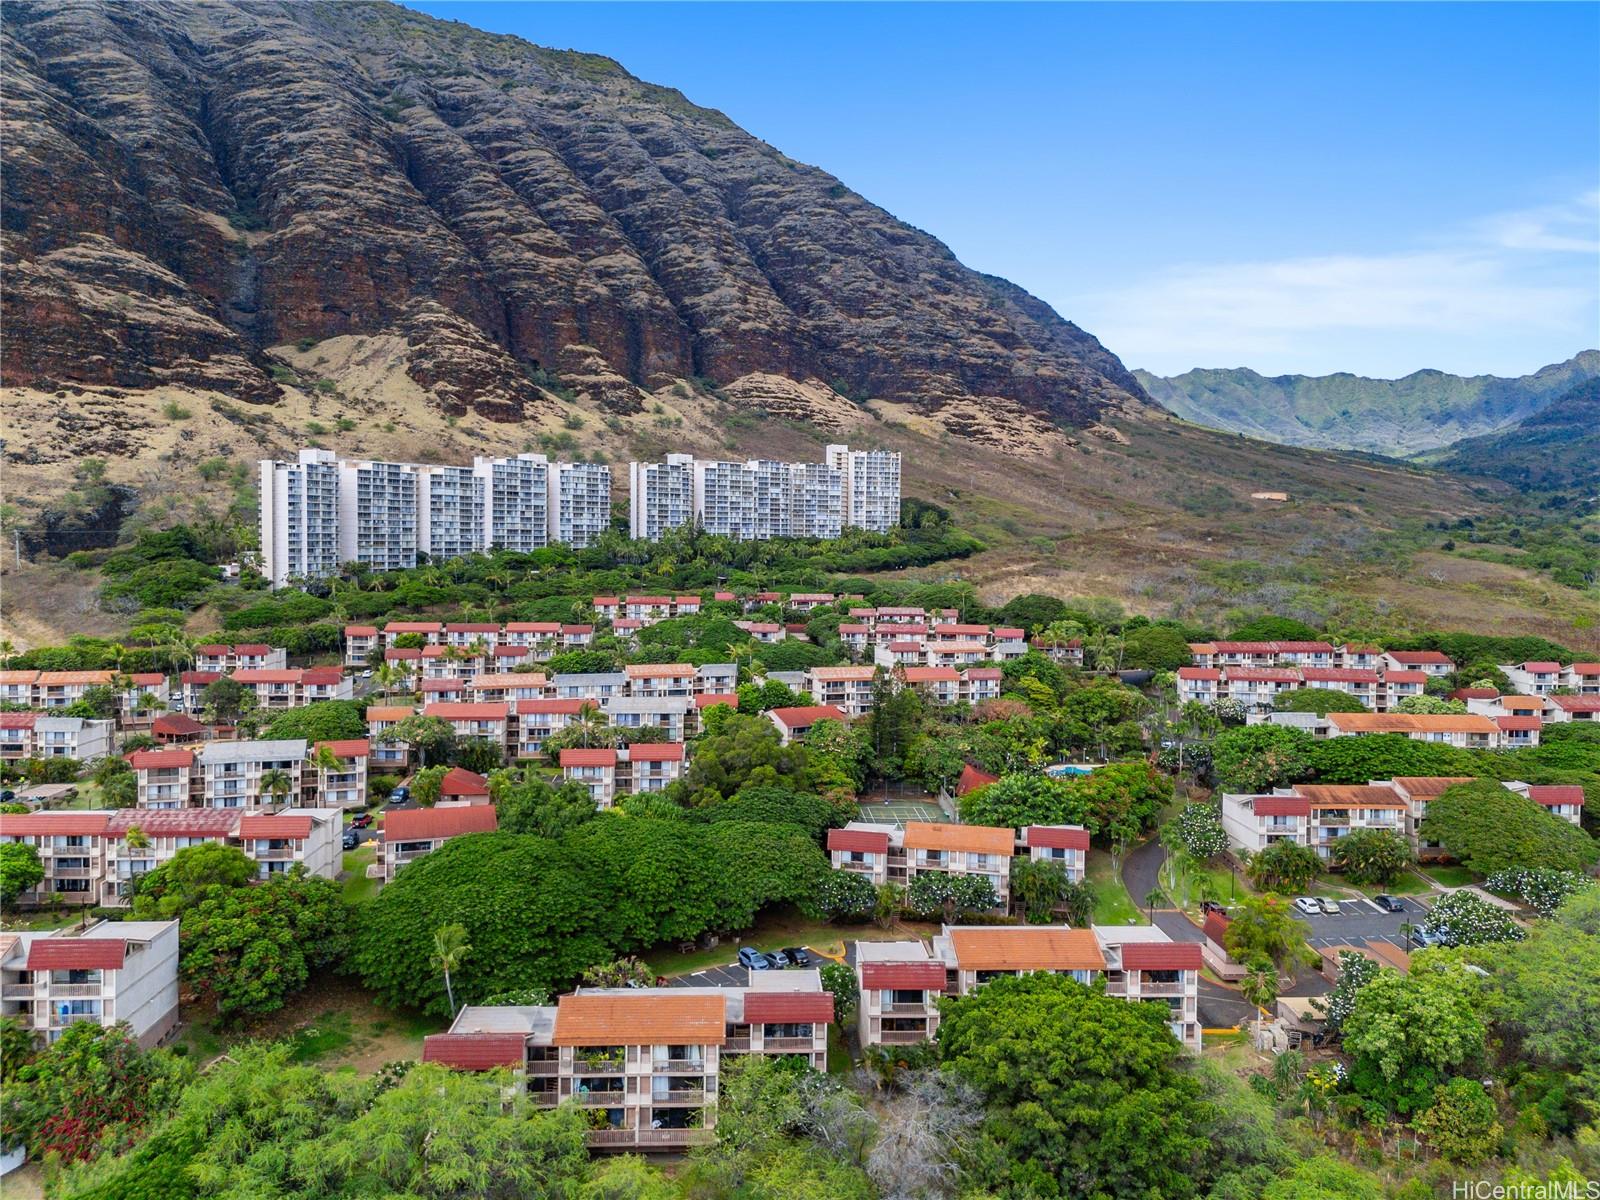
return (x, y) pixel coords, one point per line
(1500, 295)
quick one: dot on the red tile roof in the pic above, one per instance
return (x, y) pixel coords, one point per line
(1341, 675)
(412, 627)
(567, 707)
(176, 725)
(972, 778)
(1281, 806)
(281, 825)
(1577, 703)
(1057, 837)
(784, 1008)
(465, 712)
(199, 677)
(1556, 793)
(401, 654)
(65, 823)
(578, 757)
(930, 674)
(1216, 927)
(348, 747)
(174, 822)
(706, 700)
(360, 631)
(14, 720)
(1541, 668)
(458, 781)
(475, 1051)
(321, 676)
(432, 824)
(640, 1018)
(924, 976)
(804, 716)
(863, 841)
(1211, 673)
(267, 675)
(1161, 956)
(656, 752)
(76, 954)
(1518, 724)
(252, 648)
(144, 760)
(1418, 657)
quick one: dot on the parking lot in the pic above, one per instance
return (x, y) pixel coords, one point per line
(1359, 920)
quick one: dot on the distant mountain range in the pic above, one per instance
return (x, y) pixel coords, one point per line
(1400, 417)
(1556, 449)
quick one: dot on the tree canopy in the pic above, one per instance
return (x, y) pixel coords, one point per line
(1488, 828)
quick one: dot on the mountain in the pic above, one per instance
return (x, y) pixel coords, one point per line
(1400, 417)
(1556, 449)
(188, 187)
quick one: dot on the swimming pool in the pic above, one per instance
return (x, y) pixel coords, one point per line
(1058, 770)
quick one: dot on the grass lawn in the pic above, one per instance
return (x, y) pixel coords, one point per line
(1451, 875)
(1112, 904)
(357, 887)
(775, 929)
(334, 1022)
(1226, 885)
(40, 920)
(1334, 883)
(838, 1052)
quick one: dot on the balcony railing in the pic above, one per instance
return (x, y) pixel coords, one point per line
(62, 1020)
(679, 1096)
(903, 1010)
(683, 1065)
(17, 991)
(902, 1037)
(1158, 989)
(601, 1098)
(75, 991)
(597, 1066)
(787, 1044)
(544, 1066)
(736, 1044)
(651, 1137)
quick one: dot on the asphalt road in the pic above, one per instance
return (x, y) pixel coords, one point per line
(1360, 920)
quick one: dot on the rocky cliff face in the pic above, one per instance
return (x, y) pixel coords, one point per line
(187, 186)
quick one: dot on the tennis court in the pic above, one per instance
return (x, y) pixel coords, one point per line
(898, 812)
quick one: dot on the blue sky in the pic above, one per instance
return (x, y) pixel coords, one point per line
(1375, 188)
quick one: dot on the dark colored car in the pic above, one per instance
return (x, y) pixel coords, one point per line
(753, 959)
(351, 839)
(7, 796)
(797, 956)
(1211, 906)
(1388, 903)
(360, 820)
(400, 795)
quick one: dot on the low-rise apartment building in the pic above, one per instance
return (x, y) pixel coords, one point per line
(277, 689)
(1466, 731)
(846, 688)
(645, 1061)
(37, 735)
(1065, 845)
(794, 722)
(609, 773)
(1573, 708)
(252, 774)
(898, 854)
(408, 834)
(388, 756)
(485, 721)
(1432, 663)
(253, 656)
(72, 849)
(116, 972)
(534, 721)
(343, 784)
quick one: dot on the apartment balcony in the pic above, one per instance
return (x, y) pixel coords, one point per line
(543, 1066)
(1148, 990)
(604, 1098)
(280, 855)
(653, 1138)
(902, 1010)
(402, 857)
(680, 1066)
(902, 1037)
(679, 1096)
(73, 873)
(788, 1045)
(597, 1066)
(17, 991)
(62, 1020)
(736, 1045)
(73, 991)
(864, 868)
(544, 1097)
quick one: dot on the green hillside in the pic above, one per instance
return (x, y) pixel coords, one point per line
(1402, 417)
(1556, 449)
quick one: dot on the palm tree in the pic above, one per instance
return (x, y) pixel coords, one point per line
(449, 948)
(327, 763)
(1104, 651)
(591, 724)
(8, 651)
(1260, 987)
(180, 649)
(137, 839)
(276, 783)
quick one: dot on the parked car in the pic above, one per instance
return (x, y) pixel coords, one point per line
(754, 959)
(1329, 907)
(352, 839)
(400, 795)
(361, 820)
(1308, 906)
(7, 796)
(1211, 906)
(1388, 903)
(798, 956)
(1426, 937)
(780, 959)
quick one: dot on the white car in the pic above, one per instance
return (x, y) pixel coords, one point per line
(1308, 906)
